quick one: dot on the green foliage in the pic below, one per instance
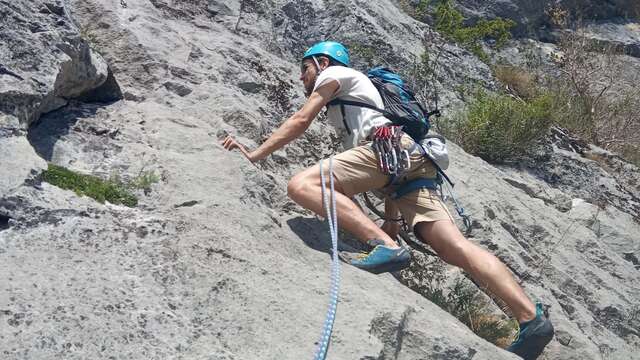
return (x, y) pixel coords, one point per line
(91, 186)
(497, 29)
(421, 75)
(468, 305)
(365, 53)
(144, 180)
(499, 127)
(448, 19)
(450, 22)
(461, 299)
(422, 9)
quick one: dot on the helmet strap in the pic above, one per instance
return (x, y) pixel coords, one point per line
(317, 64)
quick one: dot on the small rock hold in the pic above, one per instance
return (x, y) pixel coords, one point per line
(4, 222)
(187, 203)
(177, 89)
(195, 54)
(251, 87)
(55, 8)
(35, 27)
(133, 97)
(218, 8)
(629, 256)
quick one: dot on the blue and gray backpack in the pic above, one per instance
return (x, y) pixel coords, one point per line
(401, 105)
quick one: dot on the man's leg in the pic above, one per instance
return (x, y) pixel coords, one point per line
(486, 269)
(305, 188)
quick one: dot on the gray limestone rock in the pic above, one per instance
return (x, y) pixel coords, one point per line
(44, 61)
(215, 261)
(18, 161)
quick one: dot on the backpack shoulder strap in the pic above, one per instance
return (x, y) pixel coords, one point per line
(342, 103)
(356, 103)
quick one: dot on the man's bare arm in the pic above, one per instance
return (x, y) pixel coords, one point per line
(292, 128)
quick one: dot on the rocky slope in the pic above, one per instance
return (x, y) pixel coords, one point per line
(215, 262)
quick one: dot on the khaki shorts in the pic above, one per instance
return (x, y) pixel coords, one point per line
(357, 171)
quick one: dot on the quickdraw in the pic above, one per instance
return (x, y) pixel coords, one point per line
(392, 158)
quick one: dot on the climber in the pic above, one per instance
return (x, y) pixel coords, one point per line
(326, 75)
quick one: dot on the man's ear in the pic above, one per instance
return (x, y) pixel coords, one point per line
(324, 62)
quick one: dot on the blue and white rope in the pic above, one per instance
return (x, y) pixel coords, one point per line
(332, 217)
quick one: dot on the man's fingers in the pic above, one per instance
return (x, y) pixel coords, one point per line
(229, 144)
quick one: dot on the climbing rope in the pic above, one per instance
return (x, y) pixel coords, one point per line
(332, 217)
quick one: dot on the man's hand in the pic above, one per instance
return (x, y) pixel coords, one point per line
(230, 143)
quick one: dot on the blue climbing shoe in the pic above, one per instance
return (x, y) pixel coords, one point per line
(534, 335)
(381, 259)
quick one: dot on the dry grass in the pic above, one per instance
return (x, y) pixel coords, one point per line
(599, 93)
(517, 81)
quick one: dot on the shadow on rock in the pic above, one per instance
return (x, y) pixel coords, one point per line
(313, 232)
(44, 134)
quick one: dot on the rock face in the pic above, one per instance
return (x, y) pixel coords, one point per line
(44, 62)
(536, 17)
(613, 23)
(215, 261)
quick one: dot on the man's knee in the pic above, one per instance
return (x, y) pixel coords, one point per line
(306, 183)
(295, 187)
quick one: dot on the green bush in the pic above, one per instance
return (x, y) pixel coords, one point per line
(91, 186)
(450, 22)
(422, 8)
(498, 127)
(461, 299)
(467, 304)
(144, 180)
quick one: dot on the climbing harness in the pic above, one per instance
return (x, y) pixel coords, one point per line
(392, 158)
(332, 218)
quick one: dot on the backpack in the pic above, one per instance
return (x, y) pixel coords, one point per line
(401, 106)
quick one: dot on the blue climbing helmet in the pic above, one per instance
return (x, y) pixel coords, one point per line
(332, 49)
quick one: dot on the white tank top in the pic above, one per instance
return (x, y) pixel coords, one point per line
(354, 86)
